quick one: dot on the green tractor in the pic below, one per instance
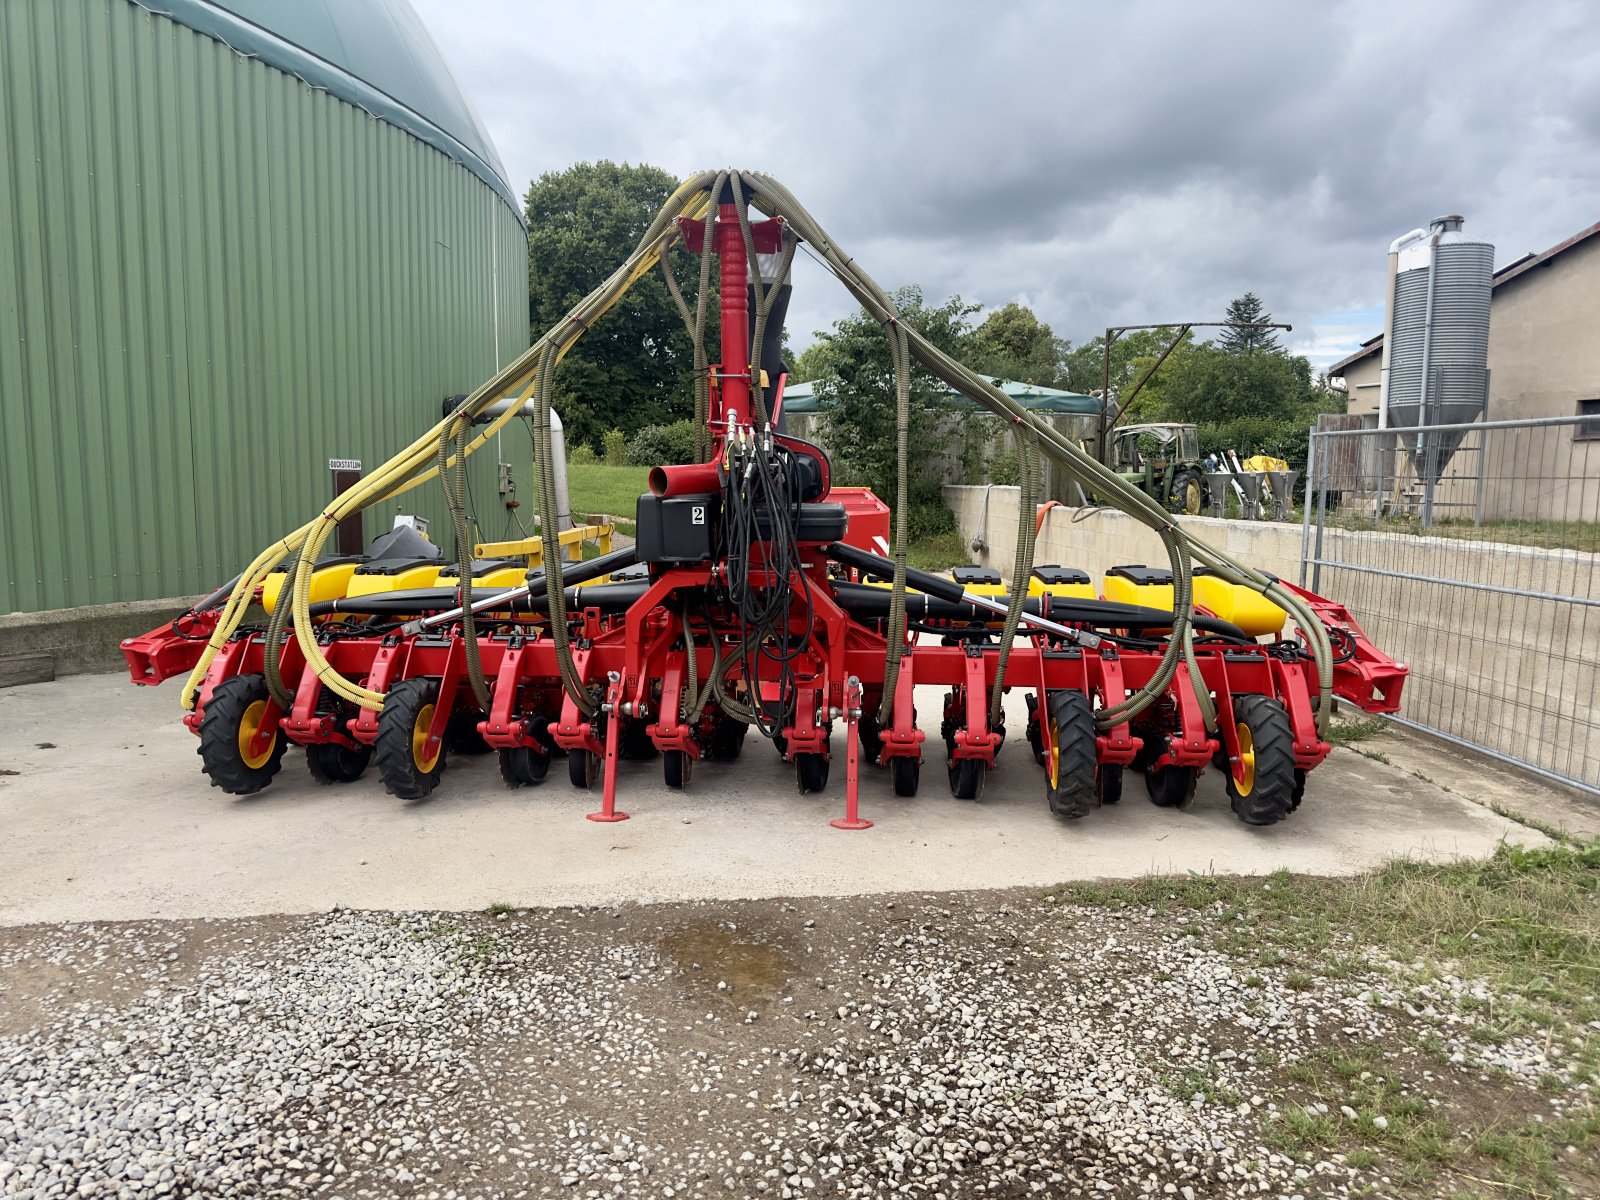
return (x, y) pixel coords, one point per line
(1162, 460)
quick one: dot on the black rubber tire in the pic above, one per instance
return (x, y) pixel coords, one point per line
(1299, 789)
(675, 768)
(1170, 786)
(330, 762)
(523, 765)
(633, 743)
(1180, 498)
(1072, 792)
(1267, 797)
(232, 702)
(461, 734)
(406, 705)
(906, 773)
(967, 777)
(727, 740)
(811, 772)
(867, 731)
(1108, 783)
(583, 768)
(1035, 739)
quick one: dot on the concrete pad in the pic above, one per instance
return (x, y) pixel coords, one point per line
(108, 817)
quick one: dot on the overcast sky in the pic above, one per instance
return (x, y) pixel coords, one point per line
(1105, 164)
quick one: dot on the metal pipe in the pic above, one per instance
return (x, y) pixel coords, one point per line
(558, 474)
(558, 452)
(686, 480)
(1305, 515)
(1388, 321)
(1423, 399)
(1530, 423)
(578, 573)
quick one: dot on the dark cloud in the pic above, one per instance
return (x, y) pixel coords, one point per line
(1106, 163)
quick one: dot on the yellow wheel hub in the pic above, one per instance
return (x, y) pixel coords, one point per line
(1055, 754)
(249, 726)
(1191, 498)
(1244, 771)
(425, 758)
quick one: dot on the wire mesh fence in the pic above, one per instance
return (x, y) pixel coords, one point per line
(1470, 553)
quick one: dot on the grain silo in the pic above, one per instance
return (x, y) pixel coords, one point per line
(222, 219)
(1437, 350)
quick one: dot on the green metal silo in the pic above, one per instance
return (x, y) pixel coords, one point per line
(237, 238)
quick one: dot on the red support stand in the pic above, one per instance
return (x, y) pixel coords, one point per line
(608, 796)
(852, 757)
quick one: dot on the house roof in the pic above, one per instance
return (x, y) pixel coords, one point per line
(1514, 269)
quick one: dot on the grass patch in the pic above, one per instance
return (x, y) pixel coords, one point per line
(1545, 535)
(1356, 729)
(1526, 923)
(938, 552)
(597, 488)
(500, 909)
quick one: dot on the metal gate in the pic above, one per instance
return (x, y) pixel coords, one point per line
(1470, 553)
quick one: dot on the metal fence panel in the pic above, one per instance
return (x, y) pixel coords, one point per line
(1470, 553)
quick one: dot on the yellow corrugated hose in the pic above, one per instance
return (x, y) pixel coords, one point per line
(418, 462)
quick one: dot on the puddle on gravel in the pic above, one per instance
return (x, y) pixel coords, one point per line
(752, 970)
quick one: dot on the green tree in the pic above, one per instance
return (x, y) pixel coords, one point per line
(634, 367)
(1130, 353)
(1248, 309)
(810, 363)
(1205, 382)
(1012, 343)
(855, 387)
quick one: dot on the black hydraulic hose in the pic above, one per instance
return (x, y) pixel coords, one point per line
(272, 652)
(607, 597)
(438, 599)
(453, 480)
(865, 602)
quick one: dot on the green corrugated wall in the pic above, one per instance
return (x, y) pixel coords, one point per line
(214, 278)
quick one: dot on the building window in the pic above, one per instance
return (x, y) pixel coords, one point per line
(1588, 429)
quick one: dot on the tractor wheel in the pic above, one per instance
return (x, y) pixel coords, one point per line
(1188, 492)
(811, 772)
(330, 762)
(967, 777)
(906, 773)
(583, 768)
(1170, 787)
(1261, 784)
(520, 765)
(408, 767)
(1299, 789)
(675, 767)
(232, 715)
(1108, 784)
(727, 740)
(1070, 766)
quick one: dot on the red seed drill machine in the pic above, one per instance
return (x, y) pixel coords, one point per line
(758, 596)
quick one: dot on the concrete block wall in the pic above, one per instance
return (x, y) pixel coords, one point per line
(1511, 673)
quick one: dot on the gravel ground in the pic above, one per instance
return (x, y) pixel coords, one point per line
(934, 1045)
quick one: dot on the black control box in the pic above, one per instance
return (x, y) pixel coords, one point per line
(677, 529)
